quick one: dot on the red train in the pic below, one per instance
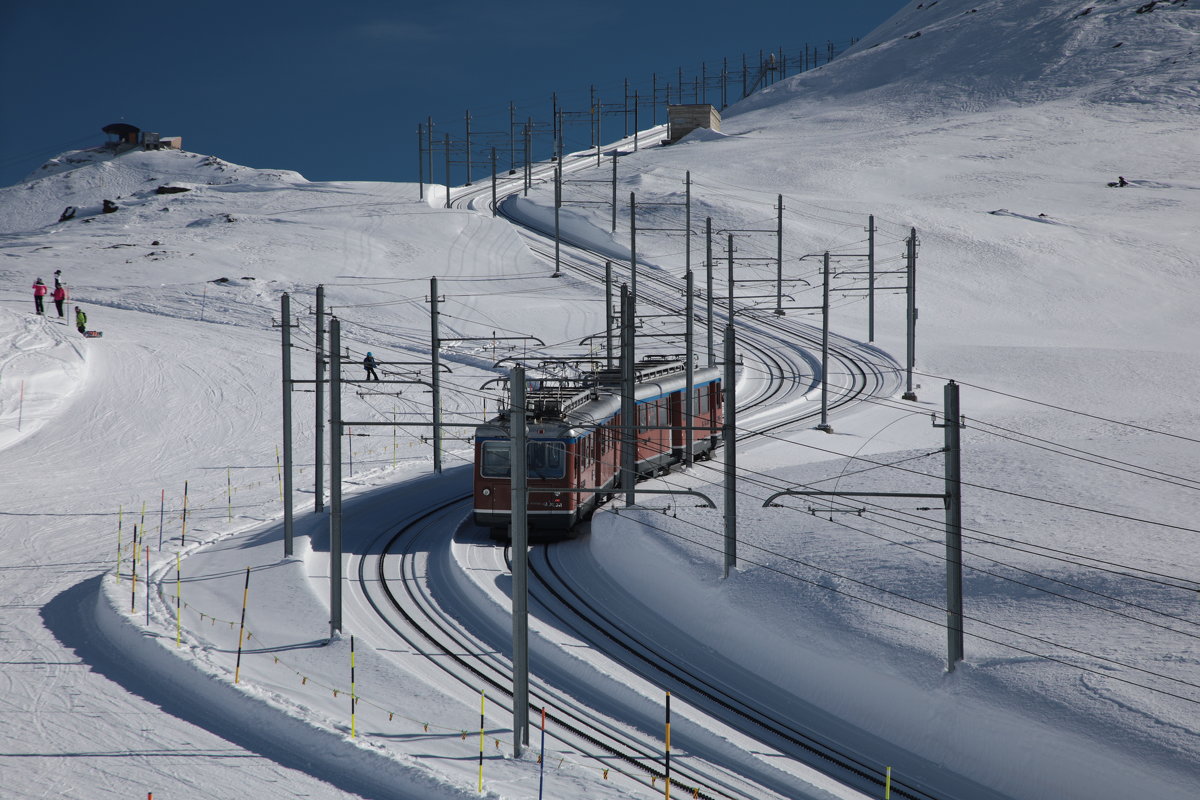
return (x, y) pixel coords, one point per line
(574, 442)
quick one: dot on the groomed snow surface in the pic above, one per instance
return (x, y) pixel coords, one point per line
(1063, 307)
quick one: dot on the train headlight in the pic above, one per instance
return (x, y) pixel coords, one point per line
(487, 492)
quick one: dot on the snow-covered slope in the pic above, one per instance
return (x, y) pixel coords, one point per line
(995, 132)
(959, 55)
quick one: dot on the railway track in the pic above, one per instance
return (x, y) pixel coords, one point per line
(856, 370)
(399, 577)
(409, 579)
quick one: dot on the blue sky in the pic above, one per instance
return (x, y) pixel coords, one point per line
(336, 90)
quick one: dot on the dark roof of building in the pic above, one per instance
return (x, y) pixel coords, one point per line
(121, 128)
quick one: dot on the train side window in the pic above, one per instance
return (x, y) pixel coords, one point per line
(496, 460)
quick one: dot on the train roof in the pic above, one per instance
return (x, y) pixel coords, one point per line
(584, 402)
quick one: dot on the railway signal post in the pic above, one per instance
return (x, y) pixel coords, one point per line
(729, 435)
(435, 347)
(519, 532)
(690, 366)
(335, 478)
(825, 426)
(319, 421)
(628, 407)
(952, 499)
(285, 325)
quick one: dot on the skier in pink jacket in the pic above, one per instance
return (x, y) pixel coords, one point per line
(39, 291)
(60, 294)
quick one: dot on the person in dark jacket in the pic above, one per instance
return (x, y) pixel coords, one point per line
(60, 295)
(39, 291)
(80, 320)
(370, 364)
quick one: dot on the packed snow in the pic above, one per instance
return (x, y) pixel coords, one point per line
(1063, 306)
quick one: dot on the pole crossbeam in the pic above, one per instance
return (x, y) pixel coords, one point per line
(952, 502)
(770, 501)
(406, 424)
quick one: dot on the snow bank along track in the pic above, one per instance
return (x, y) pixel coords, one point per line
(434, 600)
(399, 578)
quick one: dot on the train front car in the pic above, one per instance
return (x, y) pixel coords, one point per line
(565, 449)
(574, 440)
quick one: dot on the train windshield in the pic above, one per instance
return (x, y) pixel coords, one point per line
(495, 460)
(546, 460)
(543, 460)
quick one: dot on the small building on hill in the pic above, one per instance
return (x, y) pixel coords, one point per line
(684, 118)
(124, 132)
(127, 137)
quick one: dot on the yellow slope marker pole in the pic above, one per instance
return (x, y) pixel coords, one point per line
(133, 579)
(178, 604)
(353, 693)
(183, 533)
(667, 761)
(237, 670)
(482, 701)
(120, 517)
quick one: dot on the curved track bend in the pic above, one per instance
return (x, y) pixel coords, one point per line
(448, 603)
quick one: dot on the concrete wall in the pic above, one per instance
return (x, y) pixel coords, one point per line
(683, 119)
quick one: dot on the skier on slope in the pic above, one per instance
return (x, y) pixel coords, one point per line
(60, 295)
(369, 363)
(39, 292)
